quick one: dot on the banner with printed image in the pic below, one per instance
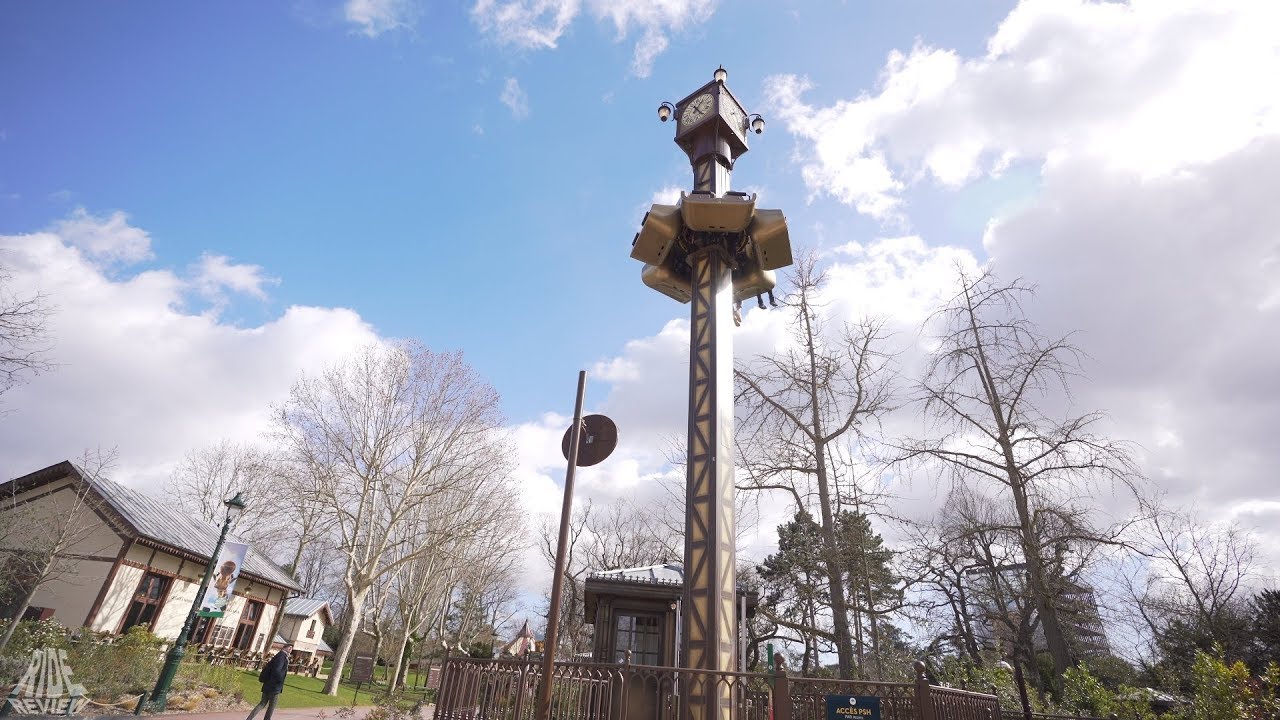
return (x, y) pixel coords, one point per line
(223, 582)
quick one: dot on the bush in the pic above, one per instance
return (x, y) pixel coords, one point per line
(1084, 694)
(1220, 691)
(129, 666)
(209, 680)
(962, 673)
(33, 635)
(11, 670)
(389, 706)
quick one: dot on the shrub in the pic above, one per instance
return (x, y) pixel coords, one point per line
(1221, 691)
(1084, 694)
(129, 666)
(209, 680)
(394, 706)
(33, 635)
(11, 670)
(960, 672)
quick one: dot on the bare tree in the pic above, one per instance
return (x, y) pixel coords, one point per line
(946, 610)
(24, 338)
(620, 534)
(573, 636)
(381, 435)
(797, 406)
(51, 545)
(1191, 572)
(483, 556)
(987, 390)
(206, 477)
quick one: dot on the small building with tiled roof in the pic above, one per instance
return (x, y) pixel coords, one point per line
(137, 561)
(303, 626)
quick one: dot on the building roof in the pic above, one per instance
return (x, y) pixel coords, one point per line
(666, 573)
(161, 523)
(306, 607)
(664, 581)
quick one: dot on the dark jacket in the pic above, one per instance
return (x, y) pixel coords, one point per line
(273, 673)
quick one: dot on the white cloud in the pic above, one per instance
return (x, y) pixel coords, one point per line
(539, 24)
(1165, 278)
(1156, 131)
(515, 98)
(1148, 86)
(652, 43)
(666, 195)
(106, 239)
(1151, 234)
(137, 371)
(529, 24)
(375, 17)
(215, 274)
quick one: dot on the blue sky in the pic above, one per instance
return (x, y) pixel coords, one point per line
(219, 196)
(384, 174)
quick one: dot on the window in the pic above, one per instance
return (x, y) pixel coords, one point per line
(222, 635)
(37, 613)
(311, 631)
(146, 602)
(640, 634)
(248, 624)
(203, 634)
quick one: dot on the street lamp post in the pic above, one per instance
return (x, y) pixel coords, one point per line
(173, 659)
(711, 250)
(1021, 682)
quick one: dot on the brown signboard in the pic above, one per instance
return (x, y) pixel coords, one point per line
(361, 669)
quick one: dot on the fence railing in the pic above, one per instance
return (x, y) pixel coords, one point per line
(1059, 716)
(955, 704)
(475, 689)
(472, 689)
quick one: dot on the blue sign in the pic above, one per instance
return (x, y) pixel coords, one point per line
(853, 707)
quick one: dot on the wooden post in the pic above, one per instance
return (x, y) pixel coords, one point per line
(543, 708)
(441, 695)
(924, 703)
(519, 705)
(781, 708)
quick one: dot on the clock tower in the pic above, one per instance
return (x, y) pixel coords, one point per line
(713, 250)
(711, 128)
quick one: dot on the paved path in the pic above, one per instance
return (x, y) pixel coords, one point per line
(285, 714)
(279, 714)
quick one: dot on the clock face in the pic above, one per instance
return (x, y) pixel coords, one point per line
(697, 109)
(734, 117)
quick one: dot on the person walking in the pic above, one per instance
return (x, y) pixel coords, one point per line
(272, 679)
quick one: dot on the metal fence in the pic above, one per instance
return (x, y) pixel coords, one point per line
(473, 689)
(808, 697)
(1052, 716)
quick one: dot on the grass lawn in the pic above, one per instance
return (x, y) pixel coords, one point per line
(301, 691)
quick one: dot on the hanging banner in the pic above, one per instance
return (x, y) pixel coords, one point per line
(225, 572)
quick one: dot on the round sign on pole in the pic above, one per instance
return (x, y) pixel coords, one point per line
(598, 438)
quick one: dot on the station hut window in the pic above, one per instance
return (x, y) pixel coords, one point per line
(641, 635)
